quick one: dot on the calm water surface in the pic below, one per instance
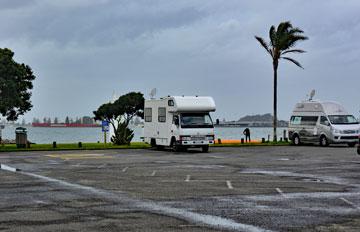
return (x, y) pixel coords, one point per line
(73, 135)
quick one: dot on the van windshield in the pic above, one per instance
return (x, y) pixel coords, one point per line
(343, 119)
(196, 120)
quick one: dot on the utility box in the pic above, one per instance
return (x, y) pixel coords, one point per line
(21, 137)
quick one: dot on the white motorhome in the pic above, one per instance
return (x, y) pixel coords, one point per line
(322, 123)
(179, 122)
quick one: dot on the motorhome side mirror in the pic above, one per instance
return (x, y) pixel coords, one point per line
(327, 123)
(176, 120)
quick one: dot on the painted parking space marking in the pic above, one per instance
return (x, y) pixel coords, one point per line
(350, 203)
(79, 156)
(125, 169)
(280, 192)
(187, 178)
(102, 166)
(211, 221)
(229, 185)
(153, 173)
(7, 168)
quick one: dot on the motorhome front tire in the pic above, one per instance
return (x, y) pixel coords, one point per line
(296, 140)
(205, 149)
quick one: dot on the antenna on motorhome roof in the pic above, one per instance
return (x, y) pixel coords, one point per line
(153, 93)
(312, 94)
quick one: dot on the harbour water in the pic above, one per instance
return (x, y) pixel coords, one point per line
(43, 135)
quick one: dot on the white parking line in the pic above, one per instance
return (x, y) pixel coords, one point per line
(124, 170)
(229, 185)
(153, 173)
(101, 166)
(350, 203)
(187, 178)
(154, 207)
(7, 168)
(280, 192)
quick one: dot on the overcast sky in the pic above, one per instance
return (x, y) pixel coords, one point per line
(84, 50)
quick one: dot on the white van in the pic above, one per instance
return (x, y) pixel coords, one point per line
(179, 122)
(322, 123)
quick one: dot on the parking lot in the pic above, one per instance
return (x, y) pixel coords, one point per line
(235, 189)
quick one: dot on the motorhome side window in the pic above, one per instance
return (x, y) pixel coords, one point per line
(148, 114)
(304, 120)
(170, 103)
(162, 114)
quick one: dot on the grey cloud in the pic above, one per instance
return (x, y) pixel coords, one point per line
(88, 49)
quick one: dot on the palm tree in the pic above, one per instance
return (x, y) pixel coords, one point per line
(282, 42)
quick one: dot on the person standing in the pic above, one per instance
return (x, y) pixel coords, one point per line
(246, 132)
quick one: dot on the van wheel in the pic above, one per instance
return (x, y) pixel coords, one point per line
(323, 141)
(205, 149)
(351, 144)
(296, 140)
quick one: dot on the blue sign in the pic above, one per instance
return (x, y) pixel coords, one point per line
(105, 126)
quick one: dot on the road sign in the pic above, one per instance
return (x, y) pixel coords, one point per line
(105, 126)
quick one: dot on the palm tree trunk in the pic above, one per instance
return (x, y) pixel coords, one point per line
(275, 66)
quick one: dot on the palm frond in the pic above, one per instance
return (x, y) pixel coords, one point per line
(293, 61)
(293, 51)
(264, 44)
(293, 39)
(272, 35)
(295, 30)
(283, 27)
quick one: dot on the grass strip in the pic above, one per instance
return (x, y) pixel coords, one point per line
(101, 146)
(72, 146)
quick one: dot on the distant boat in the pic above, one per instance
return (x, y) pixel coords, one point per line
(64, 125)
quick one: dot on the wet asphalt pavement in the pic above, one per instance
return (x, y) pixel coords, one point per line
(304, 188)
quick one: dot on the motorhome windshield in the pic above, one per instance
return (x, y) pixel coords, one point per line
(343, 119)
(196, 120)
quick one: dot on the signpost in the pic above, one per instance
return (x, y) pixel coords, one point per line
(105, 129)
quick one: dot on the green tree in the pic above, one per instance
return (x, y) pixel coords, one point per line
(282, 42)
(15, 85)
(120, 113)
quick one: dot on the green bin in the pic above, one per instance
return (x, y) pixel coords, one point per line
(21, 137)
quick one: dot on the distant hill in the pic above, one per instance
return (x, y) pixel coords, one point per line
(257, 118)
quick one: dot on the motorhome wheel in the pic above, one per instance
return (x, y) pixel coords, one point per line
(205, 149)
(296, 140)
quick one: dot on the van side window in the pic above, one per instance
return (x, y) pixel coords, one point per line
(148, 114)
(162, 114)
(323, 119)
(304, 120)
(309, 120)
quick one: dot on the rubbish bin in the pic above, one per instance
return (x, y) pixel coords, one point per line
(21, 137)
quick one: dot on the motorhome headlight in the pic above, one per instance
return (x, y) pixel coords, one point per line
(185, 138)
(210, 137)
(336, 131)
